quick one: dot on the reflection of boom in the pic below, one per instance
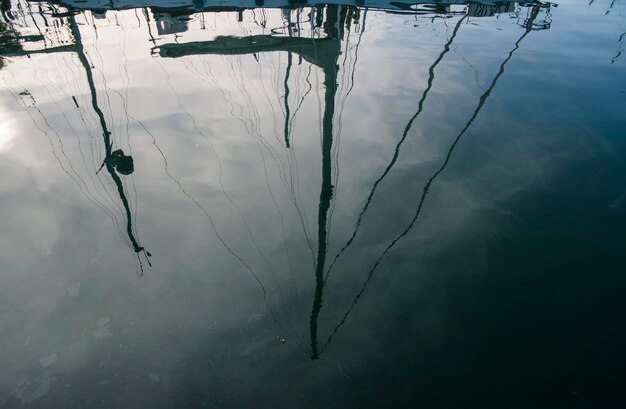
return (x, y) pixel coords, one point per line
(318, 51)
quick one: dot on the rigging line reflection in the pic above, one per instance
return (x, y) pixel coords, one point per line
(78, 139)
(260, 143)
(620, 47)
(111, 158)
(123, 71)
(306, 93)
(227, 195)
(23, 97)
(317, 51)
(356, 52)
(246, 265)
(610, 7)
(74, 176)
(292, 164)
(219, 236)
(481, 103)
(252, 129)
(407, 128)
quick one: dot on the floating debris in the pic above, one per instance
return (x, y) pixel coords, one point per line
(73, 290)
(103, 330)
(46, 361)
(29, 390)
(103, 321)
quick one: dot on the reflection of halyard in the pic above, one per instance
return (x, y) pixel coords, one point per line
(332, 21)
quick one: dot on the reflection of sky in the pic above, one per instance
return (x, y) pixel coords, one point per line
(197, 319)
(6, 136)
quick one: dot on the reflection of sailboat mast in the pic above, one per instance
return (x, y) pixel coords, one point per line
(289, 64)
(483, 98)
(106, 135)
(326, 193)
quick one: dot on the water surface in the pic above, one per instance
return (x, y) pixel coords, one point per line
(307, 205)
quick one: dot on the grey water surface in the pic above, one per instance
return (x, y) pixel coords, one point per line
(249, 204)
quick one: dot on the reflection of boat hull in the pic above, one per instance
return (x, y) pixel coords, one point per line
(197, 5)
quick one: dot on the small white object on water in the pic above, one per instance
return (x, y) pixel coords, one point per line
(46, 361)
(103, 330)
(154, 377)
(103, 321)
(74, 290)
(29, 390)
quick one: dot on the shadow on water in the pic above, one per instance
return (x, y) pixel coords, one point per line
(327, 42)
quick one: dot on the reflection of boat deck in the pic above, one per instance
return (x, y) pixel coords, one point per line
(198, 5)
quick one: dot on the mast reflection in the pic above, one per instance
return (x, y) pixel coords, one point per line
(322, 47)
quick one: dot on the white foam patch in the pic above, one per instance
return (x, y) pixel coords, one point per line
(28, 390)
(103, 321)
(102, 332)
(73, 290)
(46, 361)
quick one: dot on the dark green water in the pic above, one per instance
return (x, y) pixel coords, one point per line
(366, 206)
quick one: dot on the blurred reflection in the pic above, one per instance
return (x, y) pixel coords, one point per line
(315, 33)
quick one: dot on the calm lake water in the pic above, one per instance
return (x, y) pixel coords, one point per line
(302, 205)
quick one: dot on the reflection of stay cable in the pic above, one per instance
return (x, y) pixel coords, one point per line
(431, 77)
(425, 191)
(620, 48)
